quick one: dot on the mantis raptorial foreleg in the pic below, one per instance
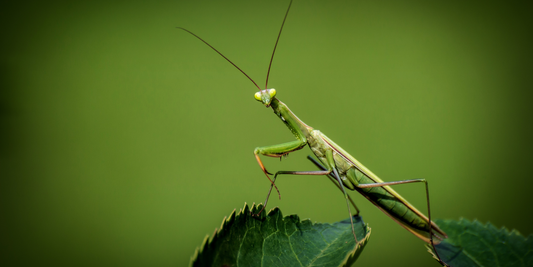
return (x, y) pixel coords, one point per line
(276, 151)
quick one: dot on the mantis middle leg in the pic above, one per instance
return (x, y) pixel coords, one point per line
(330, 171)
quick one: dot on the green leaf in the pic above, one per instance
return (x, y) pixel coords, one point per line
(274, 240)
(475, 244)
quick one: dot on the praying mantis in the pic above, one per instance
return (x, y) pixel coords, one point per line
(338, 165)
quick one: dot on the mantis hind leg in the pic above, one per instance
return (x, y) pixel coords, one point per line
(430, 223)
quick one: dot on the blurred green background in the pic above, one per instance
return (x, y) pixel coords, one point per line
(125, 141)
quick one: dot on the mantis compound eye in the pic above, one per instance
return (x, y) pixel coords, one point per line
(265, 96)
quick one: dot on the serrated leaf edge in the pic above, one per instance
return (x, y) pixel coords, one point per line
(225, 221)
(228, 219)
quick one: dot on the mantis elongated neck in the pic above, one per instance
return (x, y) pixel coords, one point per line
(298, 128)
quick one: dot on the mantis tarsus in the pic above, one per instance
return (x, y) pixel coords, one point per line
(342, 168)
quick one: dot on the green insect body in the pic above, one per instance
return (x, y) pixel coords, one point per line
(351, 172)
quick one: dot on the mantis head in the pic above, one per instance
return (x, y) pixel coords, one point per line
(265, 96)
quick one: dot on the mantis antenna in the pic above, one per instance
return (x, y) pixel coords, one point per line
(271, 58)
(221, 55)
(276, 45)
